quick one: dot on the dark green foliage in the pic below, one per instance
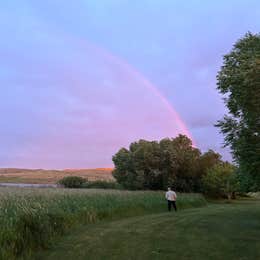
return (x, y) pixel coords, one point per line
(221, 181)
(239, 82)
(208, 160)
(156, 165)
(138, 167)
(247, 182)
(102, 185)
(72, 182)
(180, 161)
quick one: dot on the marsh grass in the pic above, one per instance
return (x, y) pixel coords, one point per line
(31, 218)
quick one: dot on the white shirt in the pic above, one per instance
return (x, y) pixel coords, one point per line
(170, 195)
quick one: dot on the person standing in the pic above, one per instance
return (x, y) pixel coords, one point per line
(171, 197)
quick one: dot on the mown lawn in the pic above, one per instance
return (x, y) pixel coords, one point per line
(219, 231)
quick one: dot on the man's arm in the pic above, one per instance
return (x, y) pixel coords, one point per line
(166, 195)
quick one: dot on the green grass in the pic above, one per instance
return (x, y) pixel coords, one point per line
(219, 231)
(31, 218)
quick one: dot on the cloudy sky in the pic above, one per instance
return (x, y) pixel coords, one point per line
(80, 79)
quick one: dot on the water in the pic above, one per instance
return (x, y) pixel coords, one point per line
(28, 185)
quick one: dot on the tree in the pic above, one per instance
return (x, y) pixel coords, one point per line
(239, 82)
(124, 172)
(138, 167)
(208, 160)
(153, 165)
(221, 181)
(180, 163)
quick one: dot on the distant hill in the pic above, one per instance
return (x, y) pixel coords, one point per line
(52, 176)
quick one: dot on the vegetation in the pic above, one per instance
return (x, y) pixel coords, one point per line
(79, 182)
(239, 82)
(72, 182)
(219, 231)
(156, 165)
(246, 182)
(221, 181)
(31, 218)
(102, 185)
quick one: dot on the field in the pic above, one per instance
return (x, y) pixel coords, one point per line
(52, 176)
(112, 224)
(218, 232)
(31, 218)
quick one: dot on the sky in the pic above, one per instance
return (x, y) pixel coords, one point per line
(81, 79)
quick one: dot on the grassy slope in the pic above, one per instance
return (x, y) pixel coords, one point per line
(219, 231)
(52, 176)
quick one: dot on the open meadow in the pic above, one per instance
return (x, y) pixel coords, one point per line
(31, 218)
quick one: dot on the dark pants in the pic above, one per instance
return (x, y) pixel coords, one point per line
(170, 204)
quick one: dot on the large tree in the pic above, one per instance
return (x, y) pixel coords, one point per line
(208, 160)
(138, 167)
(180, 163)
(239, 82)
(155, 165)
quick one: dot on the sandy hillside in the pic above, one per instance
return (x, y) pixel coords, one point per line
(52, 176)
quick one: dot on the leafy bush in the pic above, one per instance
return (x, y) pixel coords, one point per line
(102, 185)
(72, 182)
(221, 181)
(31, 218)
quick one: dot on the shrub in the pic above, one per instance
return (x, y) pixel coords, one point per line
(102, 185)
(221, 181)
(72, 182)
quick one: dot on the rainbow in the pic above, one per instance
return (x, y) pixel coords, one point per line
(150, 86)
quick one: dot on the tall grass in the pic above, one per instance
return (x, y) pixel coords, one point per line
(31, 218)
